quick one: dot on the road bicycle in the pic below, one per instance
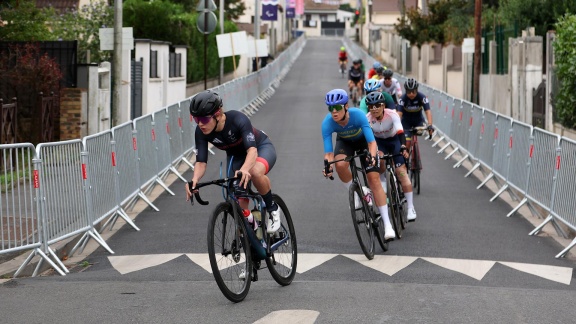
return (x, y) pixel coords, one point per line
(397, 203)
(343, 69)
(236, 248)
(414, 160)
(366, 219)
(355, 96)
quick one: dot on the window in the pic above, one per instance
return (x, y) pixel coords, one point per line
(175, 65)
(153, 64)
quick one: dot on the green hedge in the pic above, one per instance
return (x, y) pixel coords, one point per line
(565, 56)
(165, 21)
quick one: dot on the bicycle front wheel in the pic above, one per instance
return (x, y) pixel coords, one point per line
(229, 253)
(394, 205)
(362, 221)
(283, 260)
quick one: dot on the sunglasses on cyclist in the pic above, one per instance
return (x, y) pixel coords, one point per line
(387, 78)
(331, 108)
(203, 120)
(411, 91)
(376, 106)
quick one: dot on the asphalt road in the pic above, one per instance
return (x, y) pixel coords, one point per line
(462, 261)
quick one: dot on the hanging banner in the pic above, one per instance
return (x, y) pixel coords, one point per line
(270, 10)
(299, 7)
(290, 12)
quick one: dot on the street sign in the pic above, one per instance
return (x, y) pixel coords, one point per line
(231, 44)
(107, 39)
(202, 5)
(257, 48)
(200, 23)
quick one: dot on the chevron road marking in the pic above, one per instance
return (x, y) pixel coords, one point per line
(131, 263)
(387, 264)
(476, 269)
(300, 316)
(558, 274)
(203, 260)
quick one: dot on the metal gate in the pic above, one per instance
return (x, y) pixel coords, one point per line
(9, 125)
(539, 106)
(136, 79)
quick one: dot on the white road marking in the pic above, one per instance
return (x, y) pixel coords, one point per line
(476, 269)
(293, 316)
(388, 264)
(307, 261)
(203, 260)
(558, 274)
(3, 281)
(130, 263)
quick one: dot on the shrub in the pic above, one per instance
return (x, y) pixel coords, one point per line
(565, 56)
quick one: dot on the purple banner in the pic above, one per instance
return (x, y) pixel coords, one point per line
(290, 12)
(269, 12)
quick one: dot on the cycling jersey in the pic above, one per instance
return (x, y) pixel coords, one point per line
(357, 129)
(388, 102)
(412, 109)
(371, 73)
(393, 89)
(235, 138)
(342, 56)
(355, 74)
(389, 126)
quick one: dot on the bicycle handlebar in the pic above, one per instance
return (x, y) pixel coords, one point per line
(218, 182)
(346, 159)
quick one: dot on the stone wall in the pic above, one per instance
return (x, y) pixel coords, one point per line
(71, 113)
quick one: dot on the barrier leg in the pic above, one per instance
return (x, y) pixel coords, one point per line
(444, 147)
(474, 168)
(565, 251)
(57, 260)
(127, 219)
(94, 234)
(163, 185)
(541, 226)
(438, 141)
(525, 200)
(502, 189)
(452, 153)
(490, 176)
(81, 243)
(143, 197)
(173, 169)
(459, 163)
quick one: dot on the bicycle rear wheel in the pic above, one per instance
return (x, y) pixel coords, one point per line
(229, 253)
(394, 205)
(283, 261)
(416, 169)
(362, 221)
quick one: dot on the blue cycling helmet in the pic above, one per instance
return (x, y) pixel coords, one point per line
(336, 97)
(371, 85)
(376, 65)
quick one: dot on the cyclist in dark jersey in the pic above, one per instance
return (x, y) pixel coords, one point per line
(248, 149)
(410, 109)
(356, 77)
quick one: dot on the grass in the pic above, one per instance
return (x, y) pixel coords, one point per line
(8, 179)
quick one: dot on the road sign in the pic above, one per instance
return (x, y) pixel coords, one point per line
(202, 5)
(200, 23)
(232, 44)
(107, 39)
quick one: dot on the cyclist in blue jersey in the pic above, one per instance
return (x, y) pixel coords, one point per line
(353, 134)
(248, 149)
(410, 108)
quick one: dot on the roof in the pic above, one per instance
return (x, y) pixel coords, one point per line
(316, 5)
(59, 5)
(391, 5)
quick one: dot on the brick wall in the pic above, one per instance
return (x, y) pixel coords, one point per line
(71, 113)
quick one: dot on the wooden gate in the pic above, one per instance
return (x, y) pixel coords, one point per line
(9, 126)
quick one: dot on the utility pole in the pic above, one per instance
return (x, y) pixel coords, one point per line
(477, 51)
(256, 25)
(221, 79)
(117, 64)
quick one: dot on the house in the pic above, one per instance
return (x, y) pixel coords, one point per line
(324, 18)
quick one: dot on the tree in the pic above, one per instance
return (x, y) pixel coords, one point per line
(565, 56)
(233, 9)
(84, 25)
(22, 21)
(540, 14)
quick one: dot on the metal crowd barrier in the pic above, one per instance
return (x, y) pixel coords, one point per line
(525, 161)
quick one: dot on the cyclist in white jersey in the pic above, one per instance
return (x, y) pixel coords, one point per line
(389, 135)
(391, 85)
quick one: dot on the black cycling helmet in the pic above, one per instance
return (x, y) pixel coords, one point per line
(205, 103)
(374, 98)
(411, 84)
(356, 61)
(379, 70)
(388, 73)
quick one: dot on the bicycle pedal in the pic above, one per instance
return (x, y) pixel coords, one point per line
(389, 240)
(411, 220)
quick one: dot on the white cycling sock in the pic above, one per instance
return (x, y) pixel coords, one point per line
(383, 181)
(384, 213)
(409, 199)
(348, 184)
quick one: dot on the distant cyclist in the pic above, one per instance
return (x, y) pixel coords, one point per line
(356, 78)
(248, 149)
(390, 138)
(410, 108)
(353, 134)
(372, 71)
(371, 86)
(342, 57)
(391, 85)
